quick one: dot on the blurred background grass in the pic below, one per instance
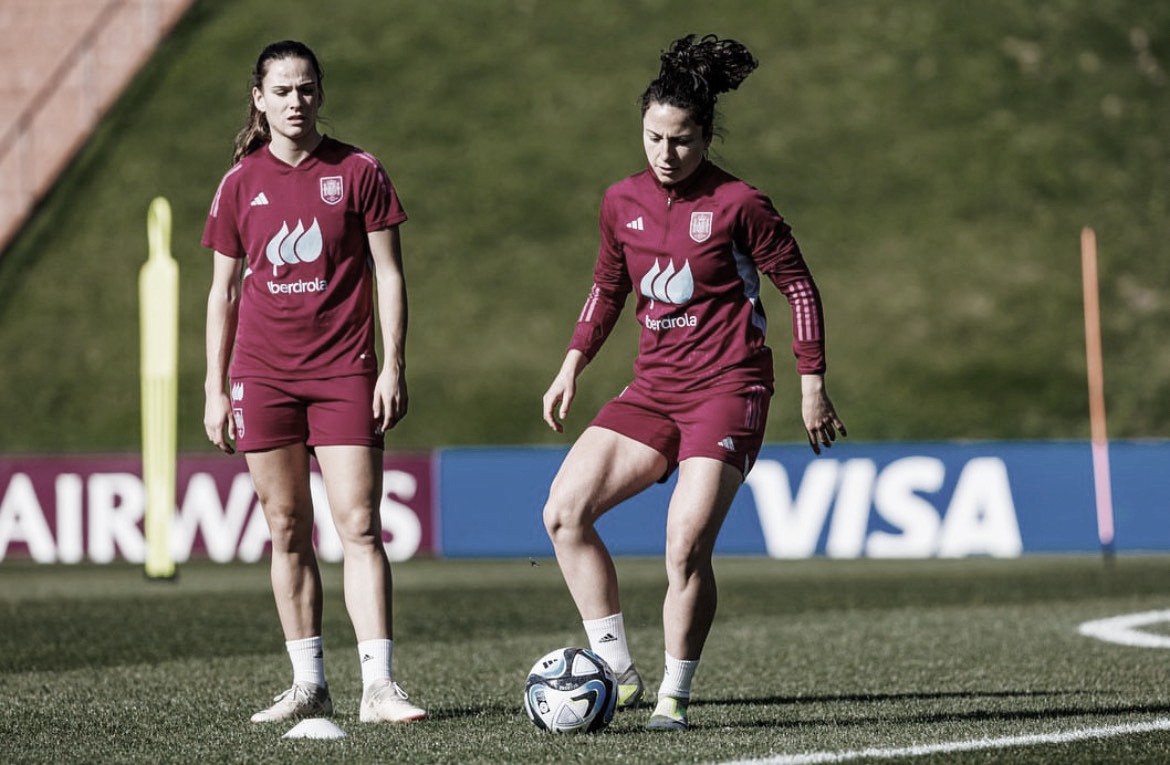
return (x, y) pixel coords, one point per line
(937, 162)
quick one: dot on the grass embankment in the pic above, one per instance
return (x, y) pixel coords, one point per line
(937, 162)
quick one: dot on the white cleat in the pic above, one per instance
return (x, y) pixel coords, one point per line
(301, 701)
(385, 701)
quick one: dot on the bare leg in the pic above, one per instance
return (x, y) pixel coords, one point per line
(353, 482)
(602, 469)
(281, 478)
(698, 506)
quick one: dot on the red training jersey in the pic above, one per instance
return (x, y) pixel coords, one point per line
(306, 302)
(693, 253)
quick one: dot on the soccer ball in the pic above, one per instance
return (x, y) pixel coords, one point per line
(570, 690)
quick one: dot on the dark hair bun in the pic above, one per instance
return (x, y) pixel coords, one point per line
(713, 66)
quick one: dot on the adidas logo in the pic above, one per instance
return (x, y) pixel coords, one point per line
(728, 444)
(366, 657)
(635, 224)
(259, 200)
(609, 636)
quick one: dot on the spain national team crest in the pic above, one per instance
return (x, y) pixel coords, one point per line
(332, 190)
(701, 226)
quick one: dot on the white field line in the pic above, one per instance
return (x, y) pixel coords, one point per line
(1123, 629)
(970, 745)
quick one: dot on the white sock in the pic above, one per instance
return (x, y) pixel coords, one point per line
(607, 639)
(308, 660)
(676, 678)
(375, 656)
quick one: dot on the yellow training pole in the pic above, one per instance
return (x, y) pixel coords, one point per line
(158, 296)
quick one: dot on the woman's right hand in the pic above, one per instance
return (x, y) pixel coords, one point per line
(558, 399)
(219, 422)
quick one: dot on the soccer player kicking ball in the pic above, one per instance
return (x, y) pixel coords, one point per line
(690, 240)
(305, 234)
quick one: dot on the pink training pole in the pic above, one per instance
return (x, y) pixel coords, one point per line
(1100, 439)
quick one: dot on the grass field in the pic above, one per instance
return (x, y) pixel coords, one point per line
(828, 657)
(936, 160)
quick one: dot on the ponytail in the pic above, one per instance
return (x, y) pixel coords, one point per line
(253, 135)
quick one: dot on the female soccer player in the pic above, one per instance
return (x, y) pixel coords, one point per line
(690, 239)
(302, 227)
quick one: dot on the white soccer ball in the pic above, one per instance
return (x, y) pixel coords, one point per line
(570, 690)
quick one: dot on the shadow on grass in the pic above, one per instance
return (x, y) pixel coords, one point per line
(901, 714)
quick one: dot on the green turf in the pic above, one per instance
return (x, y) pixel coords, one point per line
(99, 665)
(937, 161)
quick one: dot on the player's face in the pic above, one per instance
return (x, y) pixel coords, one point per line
(289, 97)
(674, 142)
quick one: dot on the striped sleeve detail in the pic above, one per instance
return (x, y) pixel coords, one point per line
(597, 320)
(807, 322)
(590, 305)
(214, 213)
(379, 170)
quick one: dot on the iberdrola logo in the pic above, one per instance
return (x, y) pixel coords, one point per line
(300, 245)
(667, 285)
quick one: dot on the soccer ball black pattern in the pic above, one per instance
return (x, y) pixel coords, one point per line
(570, 690)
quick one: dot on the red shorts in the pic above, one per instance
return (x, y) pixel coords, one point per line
(723, 425)
(334, 412)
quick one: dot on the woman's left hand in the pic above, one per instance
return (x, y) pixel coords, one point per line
(390, 398)
(821, 422)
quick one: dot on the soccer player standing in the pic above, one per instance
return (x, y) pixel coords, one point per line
(304, 231)
(690, 240)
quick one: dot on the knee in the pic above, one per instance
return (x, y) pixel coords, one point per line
(290, 529)
(358, 526)
(564, 517)
(686, 556)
